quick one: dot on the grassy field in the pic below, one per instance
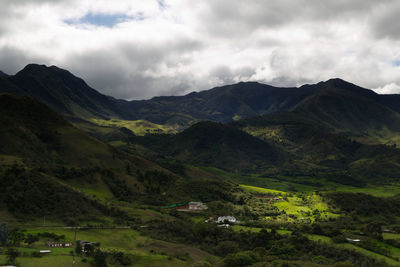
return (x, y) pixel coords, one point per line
(305, 206)
(144, 250)
(378, 191)
(261, 190)
(139, 127)
(48, 261)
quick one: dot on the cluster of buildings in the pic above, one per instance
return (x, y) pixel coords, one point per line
(59, 244)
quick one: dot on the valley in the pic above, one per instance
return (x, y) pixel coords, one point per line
(307, 176)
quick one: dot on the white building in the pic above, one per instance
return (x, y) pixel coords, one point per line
(197, 206)
(230, 219)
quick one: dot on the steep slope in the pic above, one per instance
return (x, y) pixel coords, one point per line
(345, 107)
(35, 133)
(63, 92)
(222, 104)
(215, 144)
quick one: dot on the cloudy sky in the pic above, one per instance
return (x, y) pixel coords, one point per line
(136, 49)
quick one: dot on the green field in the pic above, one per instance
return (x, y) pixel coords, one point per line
(138, 127)
(144, 250)
(261, 190)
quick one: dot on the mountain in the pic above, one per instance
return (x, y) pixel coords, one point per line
(62, 91)
(221, 104)
(336, 132)
(71, 97)
(215, 144)
(346, 107)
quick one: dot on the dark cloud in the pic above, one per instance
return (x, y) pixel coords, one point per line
(185, 46)
(132, 70)
(13, 60)
(386, 23)
(238, 17)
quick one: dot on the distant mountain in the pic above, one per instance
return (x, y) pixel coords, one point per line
(221, 104)
(73, 98)
(346, 107)
(62, 91)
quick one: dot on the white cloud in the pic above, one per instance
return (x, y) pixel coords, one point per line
(391, 88)
(182, 46)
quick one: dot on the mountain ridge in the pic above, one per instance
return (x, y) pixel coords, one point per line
(72, 97)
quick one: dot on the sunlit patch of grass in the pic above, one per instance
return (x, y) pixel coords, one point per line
(261, 190)
(138, 127)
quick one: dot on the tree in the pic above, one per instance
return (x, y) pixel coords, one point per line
(226, 247)
(12, 255)
(16, 236)
(374, 230)
(30, 239)
(3, 234)
(78, 247)
(100, 258)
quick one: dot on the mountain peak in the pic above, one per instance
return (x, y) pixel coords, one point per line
(337, 82)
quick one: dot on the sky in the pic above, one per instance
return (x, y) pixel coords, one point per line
(136, 49)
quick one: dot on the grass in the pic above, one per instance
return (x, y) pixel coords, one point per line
(139, 127)
(49, 261)
(146, 251)
(369, 253)
(238, 228)
(99, 189)
(261, 190)
(278, 183)
(390, 236)
(378, 191)
(119, 239)
(296, 206)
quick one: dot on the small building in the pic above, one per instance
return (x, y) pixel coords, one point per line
(197, 206)
(353, 240)
(388, 231)
(225, 225)
(59, 244)
(230, 219)
(44, 251)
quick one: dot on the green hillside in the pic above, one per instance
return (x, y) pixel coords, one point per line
(215, 144)
(58, 161)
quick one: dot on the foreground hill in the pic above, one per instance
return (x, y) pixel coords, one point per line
(44, 160)
(36, 134)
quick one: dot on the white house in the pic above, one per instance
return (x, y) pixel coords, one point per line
(229, 219)
(197, 206)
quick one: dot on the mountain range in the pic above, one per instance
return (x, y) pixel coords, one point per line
(332, 127)
(71, 97)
